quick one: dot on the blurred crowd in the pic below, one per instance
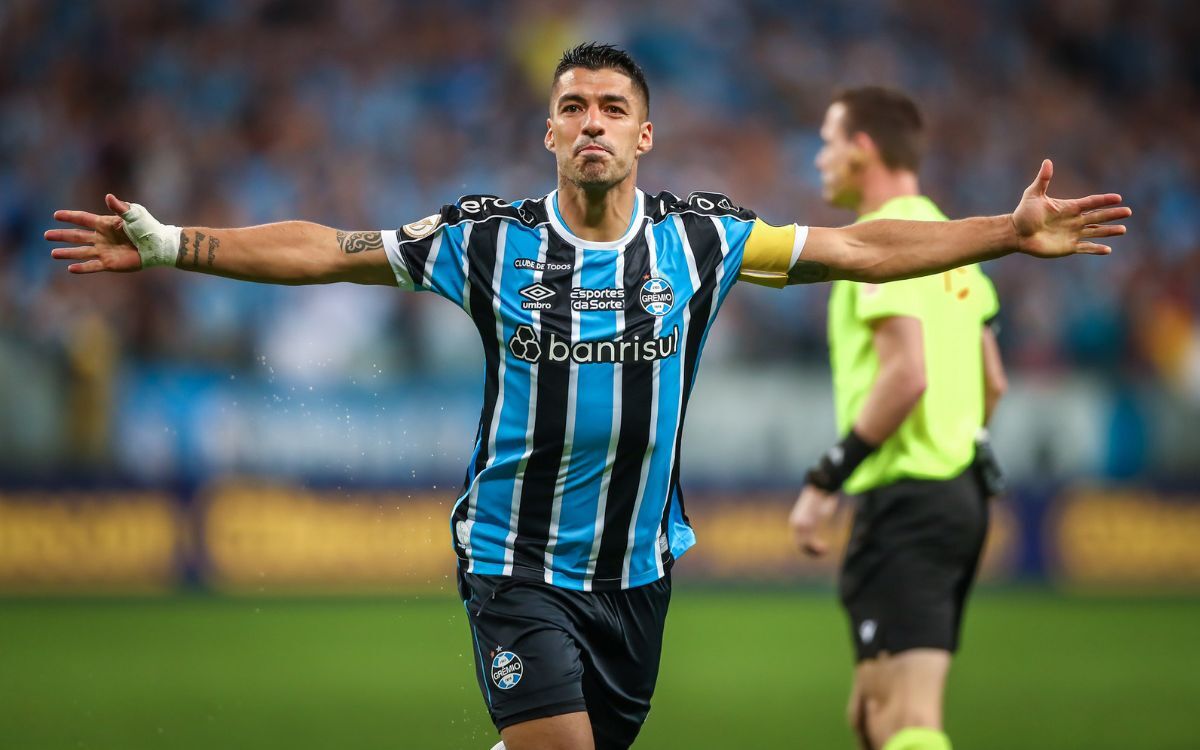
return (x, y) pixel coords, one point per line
(371, 114)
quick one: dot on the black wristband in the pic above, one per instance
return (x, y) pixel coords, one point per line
(839, 462)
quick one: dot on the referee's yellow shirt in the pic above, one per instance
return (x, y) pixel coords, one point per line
(936, 440)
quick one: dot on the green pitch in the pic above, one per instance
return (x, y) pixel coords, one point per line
(744, 669)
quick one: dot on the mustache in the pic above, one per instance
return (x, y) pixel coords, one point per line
(597, 143)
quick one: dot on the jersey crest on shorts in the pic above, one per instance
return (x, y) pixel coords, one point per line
(506, 670)
(866, 631)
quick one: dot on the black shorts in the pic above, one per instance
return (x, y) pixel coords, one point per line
(910, 562)
(541, 650)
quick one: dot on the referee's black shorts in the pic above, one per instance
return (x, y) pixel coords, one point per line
(910, 562)
(543, 650)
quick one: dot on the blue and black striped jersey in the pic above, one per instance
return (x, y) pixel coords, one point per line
(591, 350)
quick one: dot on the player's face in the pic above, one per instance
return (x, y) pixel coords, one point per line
(840, 161)
(597, 127)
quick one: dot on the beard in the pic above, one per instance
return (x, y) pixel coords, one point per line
(597, 174)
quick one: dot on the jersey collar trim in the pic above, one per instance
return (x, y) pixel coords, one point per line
(560, 228)
(916, 204)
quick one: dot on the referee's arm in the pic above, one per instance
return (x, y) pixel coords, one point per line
(900, 346)
(995, 382)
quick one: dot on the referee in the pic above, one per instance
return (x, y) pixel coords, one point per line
(916, 375)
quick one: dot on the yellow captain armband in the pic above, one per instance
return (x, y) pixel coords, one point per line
(771, 252)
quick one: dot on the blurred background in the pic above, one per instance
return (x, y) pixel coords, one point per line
(230, 455)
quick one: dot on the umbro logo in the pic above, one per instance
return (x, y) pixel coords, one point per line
(536, 296)
(537, 292)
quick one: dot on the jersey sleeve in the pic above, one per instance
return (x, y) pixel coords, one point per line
(895, 298)
(429, 255)
(771, 252)
(990, 304)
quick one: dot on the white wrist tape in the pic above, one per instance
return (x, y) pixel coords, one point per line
(157, 243)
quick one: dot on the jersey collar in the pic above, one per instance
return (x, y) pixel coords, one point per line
(560, 228)
(917, 204)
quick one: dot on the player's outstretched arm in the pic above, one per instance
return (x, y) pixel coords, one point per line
(289, 252)
(888, 250)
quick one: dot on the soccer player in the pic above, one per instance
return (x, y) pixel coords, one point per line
(592, 304)
(916, 374)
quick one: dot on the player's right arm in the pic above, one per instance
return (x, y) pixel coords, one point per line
(289, 252)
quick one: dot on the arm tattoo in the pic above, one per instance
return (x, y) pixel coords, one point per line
(213, 244)
(356, 242)
(808, 272)
(196, 249)
(183, 249)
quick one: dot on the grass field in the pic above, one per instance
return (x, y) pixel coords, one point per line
(742, 669)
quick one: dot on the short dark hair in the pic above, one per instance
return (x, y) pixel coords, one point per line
(596, 56)
(892, 120)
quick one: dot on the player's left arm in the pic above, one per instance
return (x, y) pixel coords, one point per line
(887, 250)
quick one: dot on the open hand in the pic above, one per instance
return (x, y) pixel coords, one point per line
(811, 512)
(1052, 227)
(101, 241)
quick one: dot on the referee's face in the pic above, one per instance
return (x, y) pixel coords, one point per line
(840, 161)
(597, 127)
